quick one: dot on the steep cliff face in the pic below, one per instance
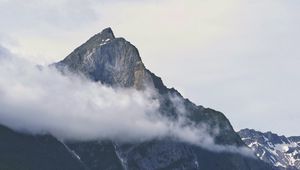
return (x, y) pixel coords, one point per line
(116, 62)
(110, 60)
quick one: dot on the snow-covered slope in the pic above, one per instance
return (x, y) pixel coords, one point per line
(281, 151)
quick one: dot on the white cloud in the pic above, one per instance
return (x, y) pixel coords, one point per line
(40, 100)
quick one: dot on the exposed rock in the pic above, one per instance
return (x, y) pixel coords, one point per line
(110, 60)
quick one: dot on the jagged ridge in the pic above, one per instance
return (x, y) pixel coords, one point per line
(277, 150)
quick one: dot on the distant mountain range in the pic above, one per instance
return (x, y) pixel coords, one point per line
(117, 63)
(281, 151)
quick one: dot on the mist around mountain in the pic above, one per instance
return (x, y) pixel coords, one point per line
(101, 108)
(280, 151)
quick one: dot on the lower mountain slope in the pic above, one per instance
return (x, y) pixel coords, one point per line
(164, 154)
(20, 151)
(27, 152)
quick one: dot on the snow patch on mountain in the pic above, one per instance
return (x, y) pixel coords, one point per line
(280, 151)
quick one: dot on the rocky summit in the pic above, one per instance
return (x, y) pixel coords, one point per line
(281, 151)
(110, 60)
(117, 63)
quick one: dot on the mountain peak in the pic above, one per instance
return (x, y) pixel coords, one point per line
(107, 33)
(110, 60)
(117, 63)
(101, 38)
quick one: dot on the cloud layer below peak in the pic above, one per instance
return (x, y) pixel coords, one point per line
(40, 100)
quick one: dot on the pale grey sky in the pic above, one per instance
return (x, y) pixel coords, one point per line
(240, 57)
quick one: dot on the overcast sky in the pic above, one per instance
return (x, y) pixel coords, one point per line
(241, 57)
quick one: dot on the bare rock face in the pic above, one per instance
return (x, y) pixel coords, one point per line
(110, 60)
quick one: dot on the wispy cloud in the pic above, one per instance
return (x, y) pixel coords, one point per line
(40, 100)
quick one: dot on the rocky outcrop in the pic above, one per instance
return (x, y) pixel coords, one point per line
(110, 60)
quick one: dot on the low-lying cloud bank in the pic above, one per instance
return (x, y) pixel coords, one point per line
(40, 100)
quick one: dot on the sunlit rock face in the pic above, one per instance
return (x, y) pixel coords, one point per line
(110, 60)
